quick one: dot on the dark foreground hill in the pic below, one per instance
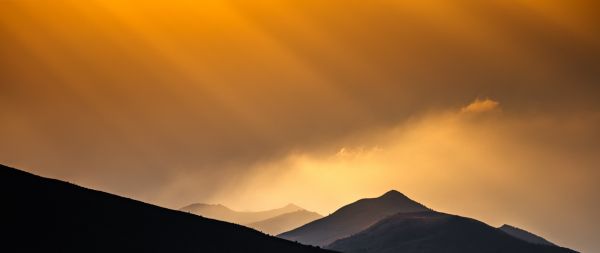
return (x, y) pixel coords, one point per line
(352, 219)
(433, 232)
(45, 215)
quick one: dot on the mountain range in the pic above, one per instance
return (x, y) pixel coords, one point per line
(395, 223)
(434, 232)
(221, 212)
(47, 215)
(272, 222)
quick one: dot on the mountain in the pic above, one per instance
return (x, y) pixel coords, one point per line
(46, 215)
(285, 222)
(221, 212)
(524, 235)
(433, 232)
(352, 219)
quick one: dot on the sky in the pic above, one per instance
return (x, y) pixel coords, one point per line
(487, 109)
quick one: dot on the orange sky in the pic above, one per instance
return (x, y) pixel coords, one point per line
(487, 109)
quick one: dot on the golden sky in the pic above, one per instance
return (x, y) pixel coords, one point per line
(488, 109)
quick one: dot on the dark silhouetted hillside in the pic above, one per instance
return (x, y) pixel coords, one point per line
(46, 215)
(285, 222)
(433, 232)
(352, 219)
(524, 235)
(221, 212)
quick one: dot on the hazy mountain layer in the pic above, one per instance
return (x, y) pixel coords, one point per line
(221, 212)
(285, 222)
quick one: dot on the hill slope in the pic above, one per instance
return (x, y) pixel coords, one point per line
(524, 235)
(352, 219)
(433, 232)
(285, 222)
(223, 213)
(46, 215)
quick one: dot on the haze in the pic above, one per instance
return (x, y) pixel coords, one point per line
(489, 109)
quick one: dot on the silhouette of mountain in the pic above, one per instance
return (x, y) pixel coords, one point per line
(433, 232)
(47, 215)
(352, 219)
(524, 235)
(285, 222)
(221, 212)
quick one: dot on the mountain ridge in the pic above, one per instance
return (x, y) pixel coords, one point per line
(435, 232)
(361, 214)
(525, 235)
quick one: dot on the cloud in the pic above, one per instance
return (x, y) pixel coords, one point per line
(480, 106)
(357, 152)
(191, 118)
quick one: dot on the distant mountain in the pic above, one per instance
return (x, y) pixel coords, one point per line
(433, 232)
(45, 215)
(223, 213)
(524, 235)
(285, 222)
(352, 219)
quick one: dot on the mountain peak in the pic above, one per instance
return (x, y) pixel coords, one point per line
(392, 193)
(353, 218)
